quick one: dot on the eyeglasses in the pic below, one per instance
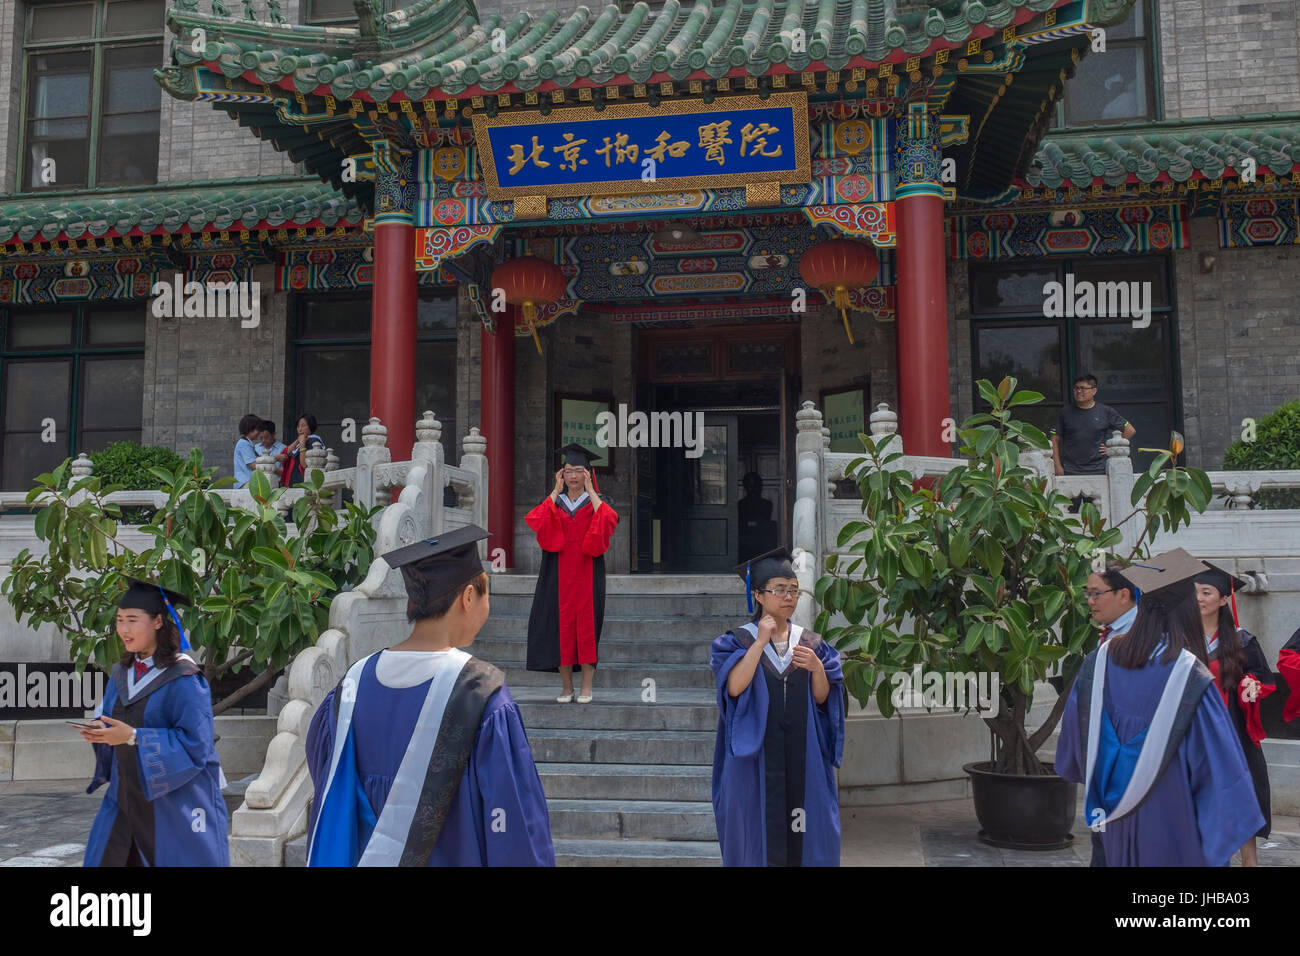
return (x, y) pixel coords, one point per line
(1085, 388)
(783, 592)
(1093, 595)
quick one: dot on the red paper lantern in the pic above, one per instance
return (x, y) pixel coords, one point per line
(837, 266)
(530, 283)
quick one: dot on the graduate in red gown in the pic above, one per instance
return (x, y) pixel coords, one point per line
(1243, 678)
(573, 526)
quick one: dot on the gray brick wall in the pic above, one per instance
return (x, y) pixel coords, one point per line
(828, 361)
(198, 141)
(582, 354)
(1222, 60)
(1239, 338)
(11, 81)
(202, 375)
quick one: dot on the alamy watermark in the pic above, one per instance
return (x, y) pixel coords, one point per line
(951, 690)
(1098, 300)
(208, 300)
(75, 909)
(35, 691)
(624, 429)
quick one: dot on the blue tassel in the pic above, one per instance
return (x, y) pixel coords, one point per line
(185, 644)
(749, 591)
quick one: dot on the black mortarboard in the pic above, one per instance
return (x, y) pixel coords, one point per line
(1167, 578)
(1220, 579)
(761, 568)
(1226, 584)
(443, 563)
(575, 456)
(154, 599)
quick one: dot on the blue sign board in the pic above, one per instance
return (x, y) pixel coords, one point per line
(638, 148)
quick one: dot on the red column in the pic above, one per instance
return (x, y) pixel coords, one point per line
(497, 394)
(392, 335)
(922, 326)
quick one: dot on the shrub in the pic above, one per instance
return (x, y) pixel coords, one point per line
(1276, 447)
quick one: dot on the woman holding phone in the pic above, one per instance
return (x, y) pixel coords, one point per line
(154, 747)
(295, 468)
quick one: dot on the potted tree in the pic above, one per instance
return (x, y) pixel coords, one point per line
(261, 590)
(984, 572)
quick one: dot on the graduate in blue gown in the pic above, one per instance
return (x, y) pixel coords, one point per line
(419, 756)
(154, 747)
(1146, 733)
(780, 730)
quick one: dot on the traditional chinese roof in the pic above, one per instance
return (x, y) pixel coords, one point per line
(192, 208)
(440, 48)
(1172, 151)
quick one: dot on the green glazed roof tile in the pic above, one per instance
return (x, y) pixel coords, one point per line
(200, 208)
(441, 46)
(1178, 153)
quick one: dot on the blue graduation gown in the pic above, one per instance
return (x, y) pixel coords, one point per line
(751, 800)
(167, 801)
(498, 815)
(1201, 809)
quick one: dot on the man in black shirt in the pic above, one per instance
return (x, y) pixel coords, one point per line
(1078, 440)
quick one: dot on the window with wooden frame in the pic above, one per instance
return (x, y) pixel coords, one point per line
(71, 380)
(90, 102)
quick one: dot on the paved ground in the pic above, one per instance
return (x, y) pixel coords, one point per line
(45, 824)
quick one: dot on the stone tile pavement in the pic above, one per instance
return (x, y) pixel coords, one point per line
(45, 823)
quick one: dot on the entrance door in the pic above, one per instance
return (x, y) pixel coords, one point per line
(708, 529)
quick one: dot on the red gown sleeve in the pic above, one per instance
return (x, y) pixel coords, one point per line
(1254, 726)
(545, 521)
(1288, 662)
(596, 541)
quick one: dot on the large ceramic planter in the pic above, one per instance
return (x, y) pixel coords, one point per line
(1022, 812)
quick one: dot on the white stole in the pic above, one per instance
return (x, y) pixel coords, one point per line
(394, 824)
(1153, 747)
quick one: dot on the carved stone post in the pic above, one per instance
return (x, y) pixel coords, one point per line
(810, 493)
(1119, 486)
(373, 451)
(474, 459)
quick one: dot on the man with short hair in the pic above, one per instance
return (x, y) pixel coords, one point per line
(1111, 599)
(250, 431)
(1079, 438)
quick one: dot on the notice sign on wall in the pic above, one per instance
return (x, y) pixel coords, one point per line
(631, 148)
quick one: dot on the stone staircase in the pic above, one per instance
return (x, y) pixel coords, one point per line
(627, 777)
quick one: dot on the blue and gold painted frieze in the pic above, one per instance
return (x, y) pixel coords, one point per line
(1073, 232)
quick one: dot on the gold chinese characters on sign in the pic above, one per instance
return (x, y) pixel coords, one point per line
(635, 148)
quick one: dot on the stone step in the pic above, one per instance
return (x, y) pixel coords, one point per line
(654, 627)
(632, 820)
(512, 582)
(505, 652)
(637, 853)
(619, 709)
(729, 604)
(617, 676)
(622, 746)
(578, 851)
(585, 781)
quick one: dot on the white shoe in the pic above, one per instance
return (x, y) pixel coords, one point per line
(565, 698)
(585, 700)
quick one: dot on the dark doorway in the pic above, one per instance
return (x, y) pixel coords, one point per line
(715, 504)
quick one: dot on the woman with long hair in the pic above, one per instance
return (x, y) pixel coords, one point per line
(1165, 781)
(295, 466)
(154, 747)
(1243, 677)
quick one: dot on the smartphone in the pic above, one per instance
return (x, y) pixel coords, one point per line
(81, 726)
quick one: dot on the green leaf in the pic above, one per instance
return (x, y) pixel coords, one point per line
(270, 557)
